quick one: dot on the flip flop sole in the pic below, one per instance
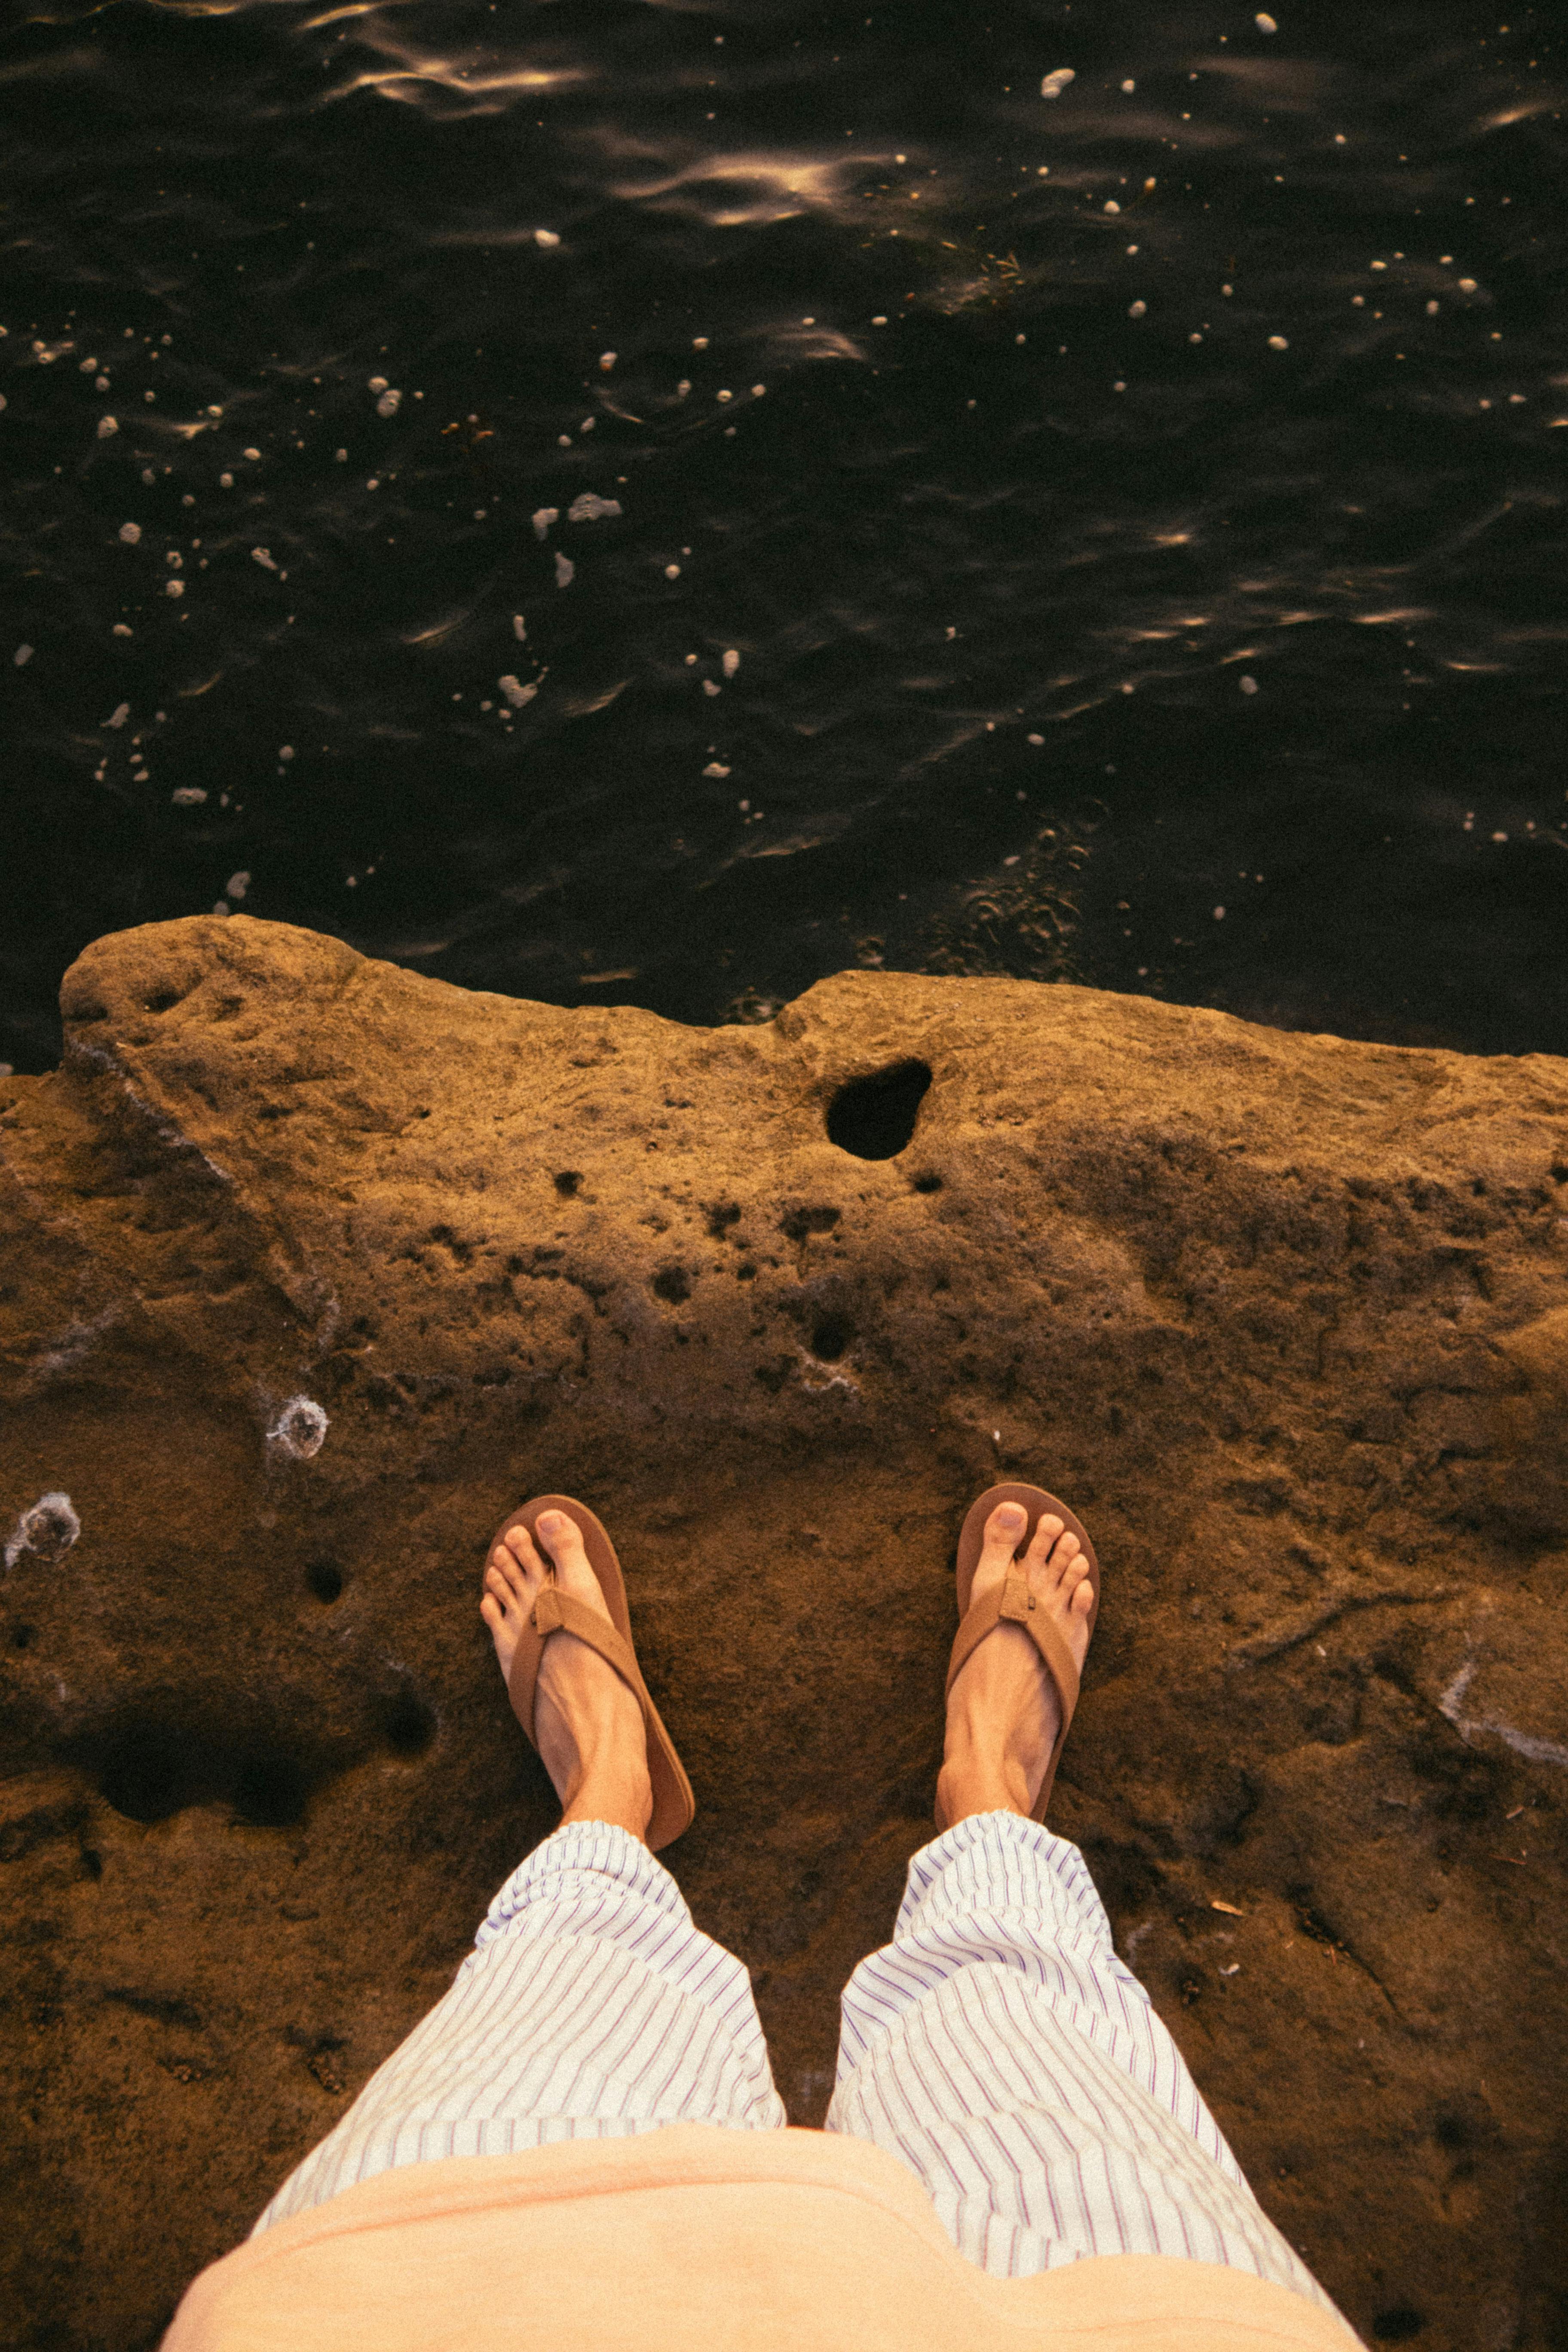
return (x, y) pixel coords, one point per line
(674, 1806)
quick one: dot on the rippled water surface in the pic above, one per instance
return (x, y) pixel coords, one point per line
(651, 504)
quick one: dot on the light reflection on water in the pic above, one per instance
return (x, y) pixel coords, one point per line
(1126, 505)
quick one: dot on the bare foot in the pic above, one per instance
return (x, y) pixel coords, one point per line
(586, 1720)
(1004, 1713)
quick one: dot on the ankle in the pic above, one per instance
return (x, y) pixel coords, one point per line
(969, 1783)
(622, 1796)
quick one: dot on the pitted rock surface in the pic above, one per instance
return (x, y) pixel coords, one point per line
(1284, 1317)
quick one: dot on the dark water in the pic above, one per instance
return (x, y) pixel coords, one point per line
(1061, 624)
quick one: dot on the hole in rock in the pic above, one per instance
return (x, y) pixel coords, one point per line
(21, 1635)
(268, 1790)
(162, 1000)
(874, 1118)
(1398, 2323)
(410, 1725)
(928, 1184)
(672, 1283)
(568, 1182)
(325, 1579)
(831, 1335)
(149, 1771)
(149, 1767)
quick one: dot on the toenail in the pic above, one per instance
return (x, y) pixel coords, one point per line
(1012, 1515)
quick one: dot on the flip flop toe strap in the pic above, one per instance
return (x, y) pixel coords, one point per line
(554, 1612)
(1014, 1603)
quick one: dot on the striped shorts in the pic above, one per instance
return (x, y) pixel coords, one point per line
(997, 2046)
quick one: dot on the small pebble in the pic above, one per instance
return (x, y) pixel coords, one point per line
(1137, 310)
(715, 767)
(1265, 24)
(131, 534)
(543, 519)
(22, 656)
(187, 796)
(516, 693)
(238, 883)
(1057, 81)
(607, 361)
(388, 404)
(1277, 343)
(173, 587)
(107, 425)
(672, 570)
(590, 508)
(732, 663)
(565, 570)
(519, 628)
(1248, 684)
(546, 237)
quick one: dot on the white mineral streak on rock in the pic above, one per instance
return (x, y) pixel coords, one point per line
(588, 507)
(1523, 1743)
(543, 519)
(565, 570)
(299, 1429)
(1057, 81)
(47, 1529)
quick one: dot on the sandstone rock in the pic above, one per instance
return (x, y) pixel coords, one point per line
(1282, 1315)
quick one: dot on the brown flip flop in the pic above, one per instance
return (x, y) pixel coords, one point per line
(674, 1806)
(1014, 1601)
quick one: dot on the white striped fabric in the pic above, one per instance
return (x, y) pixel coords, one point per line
(998, 2047)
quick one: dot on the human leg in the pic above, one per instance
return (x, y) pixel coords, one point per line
(997, 2045)
(590, 2006)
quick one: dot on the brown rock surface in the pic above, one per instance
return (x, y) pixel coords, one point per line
(1284, 1317)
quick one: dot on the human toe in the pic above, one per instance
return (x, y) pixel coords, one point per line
(1001, 1531)
(516, 1566)
(1047, 1528)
